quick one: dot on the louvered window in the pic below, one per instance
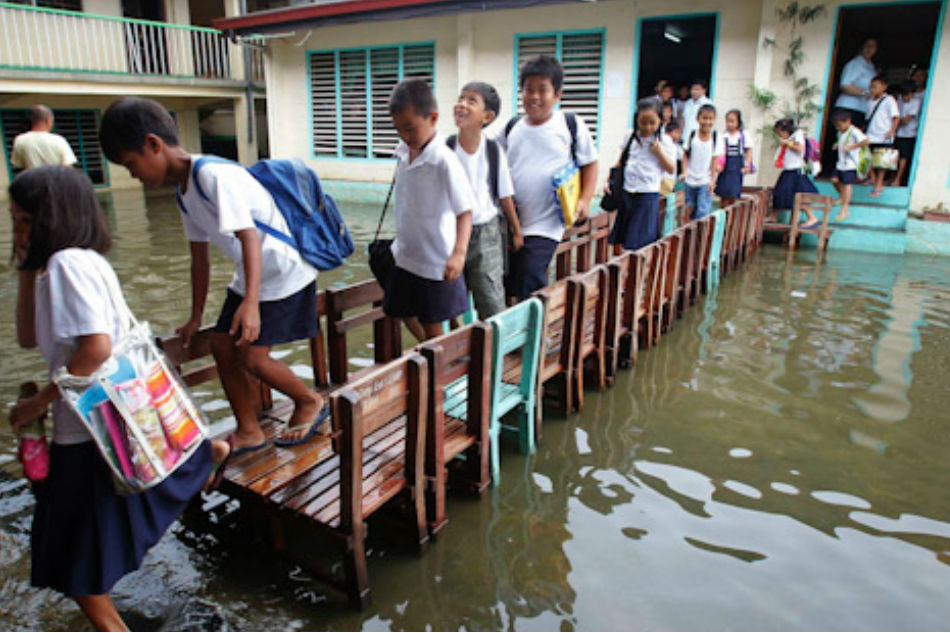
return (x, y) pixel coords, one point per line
(582, 56)
(349, 97)
(79, 127)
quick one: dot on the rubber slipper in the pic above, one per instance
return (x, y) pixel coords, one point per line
(321, 418)
(808, 227)
(237, 452)
(217, 472)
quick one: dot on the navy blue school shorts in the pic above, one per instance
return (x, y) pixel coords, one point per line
(528, 266)
(846, 176)
(292, 318)
(905, 145)
(429, 300)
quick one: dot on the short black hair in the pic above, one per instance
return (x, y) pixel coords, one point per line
(126, 123)
(64, 212)
(415, 93)
(488, 94)
(672, 126)
(908, 87)
(880, 79)
(542, 66)
(706, 107)
(738, 113)
(840, 115)
(699, 81)
(786, 125)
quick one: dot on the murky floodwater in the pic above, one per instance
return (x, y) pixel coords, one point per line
(780, 461)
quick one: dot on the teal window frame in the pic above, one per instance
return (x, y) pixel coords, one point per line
(367, 51)
(559, 41)
(80, 151)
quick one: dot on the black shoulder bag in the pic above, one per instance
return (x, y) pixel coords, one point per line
(611, 201)
(381, 260)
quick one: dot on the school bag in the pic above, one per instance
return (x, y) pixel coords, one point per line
(567, 180)
(812, 157)
(863, 164)
(491, 149)
(317, 229)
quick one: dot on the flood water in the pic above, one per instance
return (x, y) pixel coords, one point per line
(780, 461)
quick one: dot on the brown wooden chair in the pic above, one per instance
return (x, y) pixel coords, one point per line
(573, 253)
(600, 226)
(673, 243)
(687, 271)
(591, 292)
(651, 298)
(703, 238)
(618, 324)
(557, 339)
(367, 297)
(818, 204)
(459, 410)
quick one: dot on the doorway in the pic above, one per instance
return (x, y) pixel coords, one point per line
(679, 49)
(905, 35)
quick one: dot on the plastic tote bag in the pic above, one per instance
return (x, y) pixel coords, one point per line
(885, 158)
(139, 413)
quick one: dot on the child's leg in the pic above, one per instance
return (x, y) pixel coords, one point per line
(275, 374)
(845, 191)
(415, 328)
(537, 257)
(898, 177)
(484, 268)
(432, 330)
(838, 187)
(101, 613)
(238, 389)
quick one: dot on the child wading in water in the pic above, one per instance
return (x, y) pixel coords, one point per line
(433, 204)
(738, 159)
(646, 155)
(272, 298)
(790, 159)
(85, 536)
(849, 144)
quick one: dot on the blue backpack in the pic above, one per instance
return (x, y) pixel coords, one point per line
(317, 230)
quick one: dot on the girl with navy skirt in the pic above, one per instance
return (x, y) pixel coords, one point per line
(85, 536)
(738, 159)
(647, 153)
(790, 158)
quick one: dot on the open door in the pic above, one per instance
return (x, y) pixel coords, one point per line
(145, 45)
(677, 49)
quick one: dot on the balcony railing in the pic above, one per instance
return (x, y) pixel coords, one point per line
(33, 38)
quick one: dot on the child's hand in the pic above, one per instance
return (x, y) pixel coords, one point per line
(187, 331)
(247, 319)
(454, 267)
(517, 240)
(26, 410)
(607, 187)
(848, 148)
(835, 146)
(746, 169)
(656, 148)
(580, 214)
(711, 186)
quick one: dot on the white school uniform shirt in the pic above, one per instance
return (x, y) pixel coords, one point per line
(738, 139)
(236, 200)
(880, 125)
(535, 154)
(642, 172)
(700, 158)
(476, 168)
(793, 159)
(912, 107)
(858, 73)
(429, 193)
(690, 110)
(849, 160)
(78, 295)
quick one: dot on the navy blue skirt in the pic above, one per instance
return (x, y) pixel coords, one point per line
(638, 221)
(431, 301)
(729, 183)
(292, 318)
(791, 181)
(86, 536)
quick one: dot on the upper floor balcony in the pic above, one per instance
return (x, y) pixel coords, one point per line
(78, 46)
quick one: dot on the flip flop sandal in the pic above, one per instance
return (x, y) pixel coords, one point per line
(322, 417)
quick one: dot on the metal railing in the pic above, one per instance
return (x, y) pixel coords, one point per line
(34, 38)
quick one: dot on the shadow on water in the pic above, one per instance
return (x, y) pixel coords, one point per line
(778, 462)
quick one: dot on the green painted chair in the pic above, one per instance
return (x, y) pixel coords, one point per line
(670, 221)
(514, 379)
(468, 317)
(715, 248)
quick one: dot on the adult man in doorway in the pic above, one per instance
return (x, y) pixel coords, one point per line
(856, 79)
(40, 146)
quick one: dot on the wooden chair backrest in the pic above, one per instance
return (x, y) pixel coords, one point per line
(599, 234)
(559, 326)
(688, 250)
(618, 272)
(517, 329)
(387, 337)
(573, 252)
(671, 276)
(817, 203)
(639, 290)
(591, 291)
(396, 390)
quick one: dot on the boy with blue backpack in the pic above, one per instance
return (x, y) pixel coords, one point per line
(272, 296)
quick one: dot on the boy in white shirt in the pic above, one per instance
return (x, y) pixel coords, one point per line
(272, 296)
(487, 170)
(849, 144)
(701, 148)
(432, 204)
(883, 119)
(906, 138)
(698, 98)
(539, 144)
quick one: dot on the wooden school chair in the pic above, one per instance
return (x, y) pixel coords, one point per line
(591, 292)
(573, 253)
(671, 276)
(618, 323)
(714, 254)
(600, 226)
(688, 251)
(557, 344)
(516, 347)
(821, 206)
(459, 412)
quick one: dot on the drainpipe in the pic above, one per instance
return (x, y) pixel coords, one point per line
(248, 82)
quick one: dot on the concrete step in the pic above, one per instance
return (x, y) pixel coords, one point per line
(860, 194)
(872, 216)
(871, 240)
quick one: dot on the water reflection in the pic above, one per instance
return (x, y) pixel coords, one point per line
(777, 462)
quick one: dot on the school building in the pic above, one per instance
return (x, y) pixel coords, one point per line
(77, 56)
(330, 66)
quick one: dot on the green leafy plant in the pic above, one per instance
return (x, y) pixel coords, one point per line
(801, 106)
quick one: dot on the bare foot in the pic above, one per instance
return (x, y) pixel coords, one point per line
(220, 452)
(841, 217)
(876, 192)
(836, 202)
(247, 439)
(303, 417)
